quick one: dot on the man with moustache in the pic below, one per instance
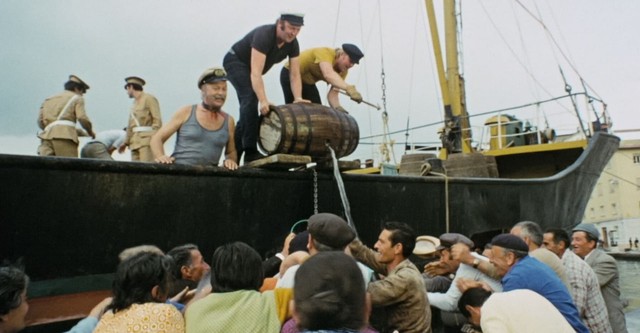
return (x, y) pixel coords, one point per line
(246, 62)
(144, 120)
(204, 130)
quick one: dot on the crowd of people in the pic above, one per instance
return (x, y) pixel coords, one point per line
(327, 280)
(203, 129)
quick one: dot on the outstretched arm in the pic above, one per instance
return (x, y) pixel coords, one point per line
(165, 132)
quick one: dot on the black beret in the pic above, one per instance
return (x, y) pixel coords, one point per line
(510, 242)
(353, 51)
(449, 239)
(330, 230)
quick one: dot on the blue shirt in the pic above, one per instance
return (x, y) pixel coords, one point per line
(529, 273)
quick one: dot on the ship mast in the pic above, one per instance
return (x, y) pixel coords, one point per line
(456, 133)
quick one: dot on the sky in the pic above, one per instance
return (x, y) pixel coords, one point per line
(508, 58)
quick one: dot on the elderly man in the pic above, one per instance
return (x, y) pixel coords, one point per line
(531, 234)
(144, 119)
(247, 61)
(509, 254)
(584, 240)
(57, 119)
(324, 64)
(448, 302)
(401, 293)
(13, 299)
(582, 281)
(204, 129)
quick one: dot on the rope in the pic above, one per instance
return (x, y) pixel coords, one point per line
(446, 197)
(343, 193)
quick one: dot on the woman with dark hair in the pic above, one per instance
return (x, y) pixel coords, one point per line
(140, 291)
(13, 299)
(235, 304)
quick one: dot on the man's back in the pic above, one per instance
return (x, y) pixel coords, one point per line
(586, 293)
(500, 315)
(606, 270)
(529, 273)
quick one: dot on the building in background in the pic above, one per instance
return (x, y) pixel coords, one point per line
(614, 206)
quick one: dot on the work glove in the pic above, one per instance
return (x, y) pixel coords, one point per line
(354, 94)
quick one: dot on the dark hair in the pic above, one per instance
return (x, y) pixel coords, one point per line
(136, 277)
(473, 297)
(531, 230)
(329, 293)
(181, 256)
(402, 233)
(236, 266)
(72, 86)
(559, 235)
(13, 282)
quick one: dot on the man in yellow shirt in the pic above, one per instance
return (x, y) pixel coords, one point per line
(324, 64)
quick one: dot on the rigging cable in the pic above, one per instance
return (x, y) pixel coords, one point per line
(413, 59)
(484, 114)
(564, 55)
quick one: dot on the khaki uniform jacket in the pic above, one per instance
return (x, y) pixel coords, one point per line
(147, 111)
(402, 293)
(50, 110)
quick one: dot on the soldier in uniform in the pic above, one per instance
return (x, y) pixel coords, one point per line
(324, 64)
(57, 119)
(144, 120)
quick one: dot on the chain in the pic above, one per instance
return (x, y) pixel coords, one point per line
(315, 191)
(384, 147)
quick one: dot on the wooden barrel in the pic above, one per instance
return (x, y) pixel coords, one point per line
(304, 128)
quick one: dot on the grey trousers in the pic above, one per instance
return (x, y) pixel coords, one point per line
(95, 150)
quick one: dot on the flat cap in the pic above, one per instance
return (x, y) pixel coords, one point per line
(330, 230)
(134, 80)
(211, 75)
(353, 51)
(295, 19)
(425, 245)
(76, 79)
(449, 239)
(510, 242)
(588, 228)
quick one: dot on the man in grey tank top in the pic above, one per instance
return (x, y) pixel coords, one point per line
(204, 130)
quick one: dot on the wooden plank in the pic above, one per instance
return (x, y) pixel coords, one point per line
(44, 310)
(280, 162)
(342, 165)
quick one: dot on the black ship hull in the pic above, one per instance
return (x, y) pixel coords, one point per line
(67, 219)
